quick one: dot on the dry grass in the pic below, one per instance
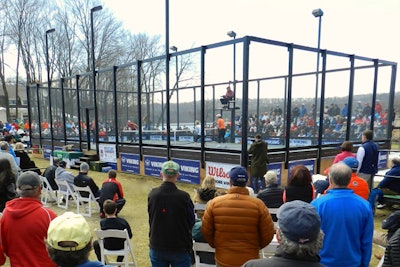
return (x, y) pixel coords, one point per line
(136, 189)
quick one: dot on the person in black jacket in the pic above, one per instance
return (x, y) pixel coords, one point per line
(83, 180)
(272, 194)
(7, 183)
(259, 160)
(392, 251)
(171, 219)
(112, 222)
(25, 162)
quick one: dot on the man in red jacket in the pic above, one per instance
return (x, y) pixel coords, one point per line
(24, 225)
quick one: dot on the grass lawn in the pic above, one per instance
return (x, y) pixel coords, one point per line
(136, 189)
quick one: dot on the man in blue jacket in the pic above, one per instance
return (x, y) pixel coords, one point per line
(346, 220)
(389, 185)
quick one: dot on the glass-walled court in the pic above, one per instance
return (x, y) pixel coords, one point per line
(278, 92)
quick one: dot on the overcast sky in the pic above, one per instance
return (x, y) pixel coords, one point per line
(363, 27)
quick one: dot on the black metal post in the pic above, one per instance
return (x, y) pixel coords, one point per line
(96, 117)
(318, 13)
(48, 88)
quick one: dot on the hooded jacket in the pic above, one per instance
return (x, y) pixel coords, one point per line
(259, 159)
(23, 230)
(63, 174)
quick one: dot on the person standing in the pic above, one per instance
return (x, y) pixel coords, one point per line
(171, 219)
(347, 222)
(235, 224)
(83, 180)
(259, 160)
(221, 129)
(24, 224)
(299, 235)
(367, 156)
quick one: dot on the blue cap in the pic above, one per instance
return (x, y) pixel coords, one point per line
(351, 162)
(238, 176)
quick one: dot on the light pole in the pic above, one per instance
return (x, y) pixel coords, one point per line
(96, 131)
(318, 13)
(48, 88)
(175, 49)
(232, 34)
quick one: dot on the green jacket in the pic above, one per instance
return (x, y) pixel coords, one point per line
(259, 159)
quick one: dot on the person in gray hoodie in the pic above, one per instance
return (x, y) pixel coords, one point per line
(63, 174)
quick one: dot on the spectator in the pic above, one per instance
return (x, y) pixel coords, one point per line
(272, 194)
(367, 156)
(69, 241)
(50, 174)
(205, 193)
(259, 160)
(353, 246)
(357, 184)
(389, 185)
(300, 185)
(25, 162)
(83, 180)
(111, 189)
(7, 184)
(5, 154)
(299, 235)
(171, 218)
(235, 224)
(24, 224)
(391, 224)
(63, 175)
(112, 222)
(10, 140)
(392, 252)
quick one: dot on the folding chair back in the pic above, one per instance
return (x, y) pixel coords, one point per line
(202, 247)
(64, 191)
(127, 251)
(85, 199)
(48, 193)
(270, 249)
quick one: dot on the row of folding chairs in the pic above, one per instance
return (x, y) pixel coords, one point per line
(266, 252)
(83, 197)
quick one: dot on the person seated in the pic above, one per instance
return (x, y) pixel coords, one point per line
(83, 180)
(390, 185)
(205, 193)
(299, 235)
(272, 194)
(50, 174)
(112, 222)
(111, 189)
(25, 162)
(300, 185)
(391, 224)
(358, 184)
(69, 241)
(227, 97)
(62, 174)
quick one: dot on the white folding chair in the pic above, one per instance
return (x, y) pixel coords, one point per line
(48, 194)
(86, 202)
(64, 192)
(127, 251)
(270, 249)
(202, 247)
